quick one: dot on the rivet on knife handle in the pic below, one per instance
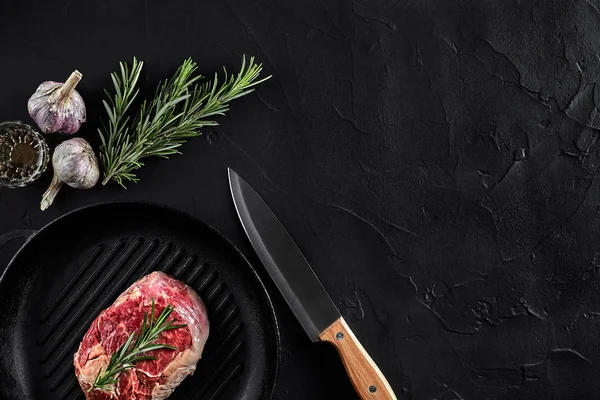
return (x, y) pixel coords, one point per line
(366, 377)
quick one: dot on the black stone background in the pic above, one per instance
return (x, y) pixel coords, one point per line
(436, 161)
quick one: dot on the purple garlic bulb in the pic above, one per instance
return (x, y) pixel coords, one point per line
(75, 165)
(58, 107)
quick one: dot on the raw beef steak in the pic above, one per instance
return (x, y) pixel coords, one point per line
(150, 379)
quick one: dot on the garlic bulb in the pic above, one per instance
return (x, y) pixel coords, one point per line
(58, 107)
(76, 165)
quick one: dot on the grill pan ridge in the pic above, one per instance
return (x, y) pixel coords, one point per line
(52, 291)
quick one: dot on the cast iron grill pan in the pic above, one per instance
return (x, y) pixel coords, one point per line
(71, 270)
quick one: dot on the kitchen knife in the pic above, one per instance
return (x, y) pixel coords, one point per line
(303, 291)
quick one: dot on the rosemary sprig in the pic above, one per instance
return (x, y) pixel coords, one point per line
(132, 351)
(180, 108)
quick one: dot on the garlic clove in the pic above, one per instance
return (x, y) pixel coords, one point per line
(58, 107)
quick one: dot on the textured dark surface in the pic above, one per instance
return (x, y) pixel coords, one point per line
(434, 160)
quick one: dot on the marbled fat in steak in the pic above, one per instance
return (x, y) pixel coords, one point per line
(151, 379)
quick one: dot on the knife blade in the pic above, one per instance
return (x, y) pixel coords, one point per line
(302, 290)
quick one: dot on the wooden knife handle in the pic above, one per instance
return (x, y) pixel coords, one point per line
(369, 382)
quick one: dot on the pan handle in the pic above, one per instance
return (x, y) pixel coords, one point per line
(16, 234)
(12, 235)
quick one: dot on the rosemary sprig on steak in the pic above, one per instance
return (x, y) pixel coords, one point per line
(133, 351)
